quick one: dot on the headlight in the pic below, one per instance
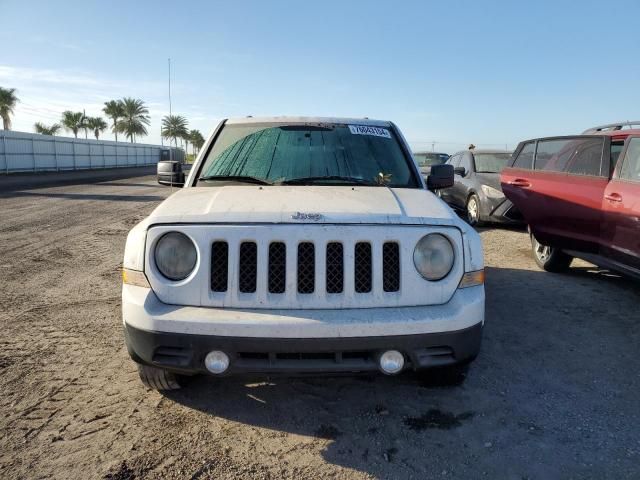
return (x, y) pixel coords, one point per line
(492, 192)
(433, 256)
(175, 255)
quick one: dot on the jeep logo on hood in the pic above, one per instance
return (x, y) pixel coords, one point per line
(307, 216)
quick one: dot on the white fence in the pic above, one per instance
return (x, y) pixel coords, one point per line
(30, 152)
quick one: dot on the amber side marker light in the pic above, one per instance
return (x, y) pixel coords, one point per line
(134, 277)
(472, 279)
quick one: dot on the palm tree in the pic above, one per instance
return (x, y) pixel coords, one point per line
(174, 127)
(8, 102)
(42, 129)
(73, 121)
(114, 110)
(185, 137)
(96, 125)
(135, 117)
(197, 140)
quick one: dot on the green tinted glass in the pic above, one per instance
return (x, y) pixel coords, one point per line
(284, 152)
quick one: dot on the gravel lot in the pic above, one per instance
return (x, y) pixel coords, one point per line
(554, 393)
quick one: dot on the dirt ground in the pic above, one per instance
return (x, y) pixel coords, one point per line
(554, 393)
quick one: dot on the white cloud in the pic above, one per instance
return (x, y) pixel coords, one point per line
(45, 93)
(17, 75)
(57, 43)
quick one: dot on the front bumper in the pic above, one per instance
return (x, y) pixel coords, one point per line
(178, 338)
(184, 353)
(500, 211)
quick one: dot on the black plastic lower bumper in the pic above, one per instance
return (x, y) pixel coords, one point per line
(185, 353)
(505, 212)
(500, 211)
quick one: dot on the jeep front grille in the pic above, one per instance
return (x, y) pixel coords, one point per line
(332, 267)
(306, 260)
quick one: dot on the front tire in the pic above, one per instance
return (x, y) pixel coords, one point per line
(548, 258)
(157, 378)
(473, 211)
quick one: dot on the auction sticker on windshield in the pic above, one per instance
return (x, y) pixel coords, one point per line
(368, 130)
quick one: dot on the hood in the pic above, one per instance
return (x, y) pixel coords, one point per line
(491, 179)
(303, 204)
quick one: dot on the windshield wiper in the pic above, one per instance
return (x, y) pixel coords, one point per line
(235, 178)
(329, 178)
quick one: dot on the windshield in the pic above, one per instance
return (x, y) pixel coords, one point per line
(491, 162)
(430, 159)
(308, 154)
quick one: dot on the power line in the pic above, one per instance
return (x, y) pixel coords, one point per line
(48, 116)
(27, 104)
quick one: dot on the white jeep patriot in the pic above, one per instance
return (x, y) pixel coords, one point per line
(302, 245)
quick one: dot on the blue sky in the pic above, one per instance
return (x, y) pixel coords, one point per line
(491, 73)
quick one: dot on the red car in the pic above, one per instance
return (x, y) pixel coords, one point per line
(580, 196)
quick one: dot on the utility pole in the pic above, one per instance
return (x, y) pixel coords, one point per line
(84, 120)
(170, 149)
(169, 87)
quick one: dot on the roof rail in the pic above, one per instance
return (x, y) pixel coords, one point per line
(612, 126)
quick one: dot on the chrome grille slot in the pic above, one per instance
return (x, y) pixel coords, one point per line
(391, 267)
(277, 267)
(248, 267)
(363, 268)
(335, 268)
(306, 267)
(220, 266)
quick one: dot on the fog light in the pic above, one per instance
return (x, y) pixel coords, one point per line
(391, 362)
(216, 361)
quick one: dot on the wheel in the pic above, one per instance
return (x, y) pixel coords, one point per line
(549, 258)
(157, 378)
(473, 210)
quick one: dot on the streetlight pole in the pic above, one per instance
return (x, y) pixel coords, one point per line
(169, 87)
(170, 150)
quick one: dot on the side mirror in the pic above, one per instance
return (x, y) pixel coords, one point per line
(170, 173)
(460, 171)
(441, 176)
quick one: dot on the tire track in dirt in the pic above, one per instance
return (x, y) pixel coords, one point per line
(53, 351)
(547, 398)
